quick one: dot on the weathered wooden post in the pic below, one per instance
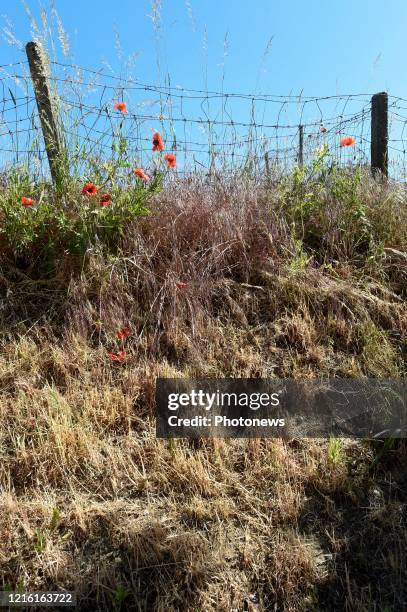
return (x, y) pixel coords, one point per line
(36, 61)
(301, 147)
(380, 134)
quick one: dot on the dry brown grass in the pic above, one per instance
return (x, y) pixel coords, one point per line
(91, 501)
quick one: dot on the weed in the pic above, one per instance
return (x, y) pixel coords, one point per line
(335, 450)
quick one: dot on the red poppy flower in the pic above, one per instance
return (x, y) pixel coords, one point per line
(171, 160)
(123, 333)
(89, 189)
(348, 141)
(158, 144)
(105, 200)
(122, 107)
(323, 129)
(120, 356)
(141, 174)
(27, 201)
(181, 285)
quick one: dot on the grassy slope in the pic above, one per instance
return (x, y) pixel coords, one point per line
(90, 501)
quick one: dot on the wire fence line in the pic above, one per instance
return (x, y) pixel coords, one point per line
(205, 129)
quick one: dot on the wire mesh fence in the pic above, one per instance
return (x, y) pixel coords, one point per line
(205, 129)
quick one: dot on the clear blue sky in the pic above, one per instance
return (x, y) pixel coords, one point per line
(279, 47)
(319, 46)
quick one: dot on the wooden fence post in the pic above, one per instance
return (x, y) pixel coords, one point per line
(36, 61)
(380, 134)
(301, 147)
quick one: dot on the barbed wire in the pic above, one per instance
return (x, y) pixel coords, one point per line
(205, 128)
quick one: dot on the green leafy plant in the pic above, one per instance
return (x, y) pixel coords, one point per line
(121, 594)
(51, 225)
(39, 541)
(335, 449)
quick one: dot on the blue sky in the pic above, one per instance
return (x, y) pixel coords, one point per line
(319, 47)
(279, 47)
